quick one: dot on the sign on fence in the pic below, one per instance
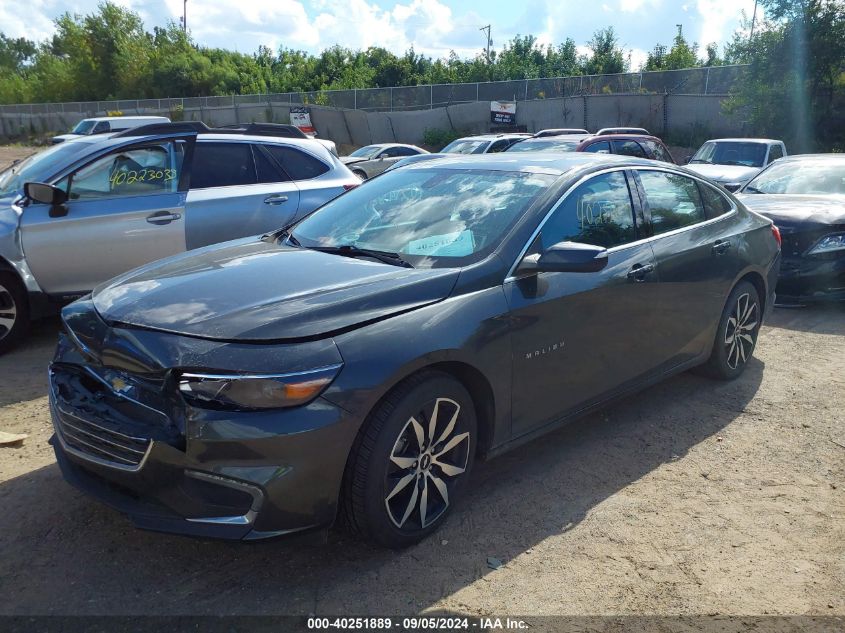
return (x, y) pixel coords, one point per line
(503, 112)
(301, 118)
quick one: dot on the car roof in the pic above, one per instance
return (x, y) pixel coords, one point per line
(745, 140)
(126, 118)
(554, 163)
(623, 137)
(799, 157)
(494, 137)
(557, 137)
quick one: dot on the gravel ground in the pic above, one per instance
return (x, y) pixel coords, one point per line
(693, 497)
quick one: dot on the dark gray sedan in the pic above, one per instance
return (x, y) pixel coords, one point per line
(355, 366)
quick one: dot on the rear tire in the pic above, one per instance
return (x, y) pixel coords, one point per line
(736, 336)
(362, 175)
(410, 461)
(14, 311)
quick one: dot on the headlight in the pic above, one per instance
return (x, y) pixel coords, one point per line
(255, 391)
(829, 243)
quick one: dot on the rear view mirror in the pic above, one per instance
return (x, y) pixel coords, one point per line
(47, 194)
(566, 257)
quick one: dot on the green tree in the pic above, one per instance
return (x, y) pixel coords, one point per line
(606, 57)
(795, 85)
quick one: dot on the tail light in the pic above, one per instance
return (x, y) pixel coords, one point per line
(776, 233)
(353, 185)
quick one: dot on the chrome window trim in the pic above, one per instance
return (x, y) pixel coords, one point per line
(614, 249)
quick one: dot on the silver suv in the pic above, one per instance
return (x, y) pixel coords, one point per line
(85, 211)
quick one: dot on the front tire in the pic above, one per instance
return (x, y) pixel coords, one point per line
(736, 336)
(410, 461)
(14, 311)
(361, 174)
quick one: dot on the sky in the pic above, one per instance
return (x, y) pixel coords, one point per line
(433, 27)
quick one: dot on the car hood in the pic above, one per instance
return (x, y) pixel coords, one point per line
(724, 173)
(65, 137)
(348, 160)
(256, 290)
(793, 209)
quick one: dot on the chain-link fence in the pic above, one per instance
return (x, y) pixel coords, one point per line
(715, 80)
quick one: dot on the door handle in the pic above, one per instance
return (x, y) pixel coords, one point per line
(721, 246)
(639, 271)
(163, 218)
(277, 198)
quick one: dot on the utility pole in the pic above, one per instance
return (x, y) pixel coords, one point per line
(753, 21)
(489, 39)
(185, 16)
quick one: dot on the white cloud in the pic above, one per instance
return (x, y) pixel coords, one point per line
(719, 18)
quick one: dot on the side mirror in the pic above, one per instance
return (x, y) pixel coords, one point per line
(47, 194)
(687, 159)
(733, 186)
(566, 257)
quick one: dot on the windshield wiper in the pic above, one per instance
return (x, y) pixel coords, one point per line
(350, 250)
(750, 189)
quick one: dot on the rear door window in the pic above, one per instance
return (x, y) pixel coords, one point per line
(629, 148)
(602, 147)
(265, 168)
(222, 165)
(674, 200)
(599, 212)
(658, 152)
(715, 203)
(297, 164)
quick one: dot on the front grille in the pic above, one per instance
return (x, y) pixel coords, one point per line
(109, 416)
(98, 441)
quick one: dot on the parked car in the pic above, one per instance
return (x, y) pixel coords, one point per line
(805, 196)
(106, 124)
(734, 161)
(480, 144)
(561, 131)
(356, 365)
(563, 143)
(82, 212)
(371, 160)
(637, 145)
(623, 130)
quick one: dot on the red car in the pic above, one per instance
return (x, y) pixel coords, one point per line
(639, 145)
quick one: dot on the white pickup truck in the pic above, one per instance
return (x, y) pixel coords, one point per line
(734, 161)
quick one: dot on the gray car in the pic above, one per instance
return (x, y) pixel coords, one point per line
(80, 213)
(371, 160)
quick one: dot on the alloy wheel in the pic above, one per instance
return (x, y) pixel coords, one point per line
(428, 457)
(8, 312)
(739, 331)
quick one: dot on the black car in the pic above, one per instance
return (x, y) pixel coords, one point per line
(355, 365)
(805, 196)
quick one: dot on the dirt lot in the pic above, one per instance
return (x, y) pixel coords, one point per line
(9, 153)
(694, 497)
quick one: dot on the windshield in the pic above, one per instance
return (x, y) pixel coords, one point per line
(84, 126)
(543, 146)
(431, 217)
(463, 146)
(37, 167)
(814, 177)
(366, 152)
(731, 153)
